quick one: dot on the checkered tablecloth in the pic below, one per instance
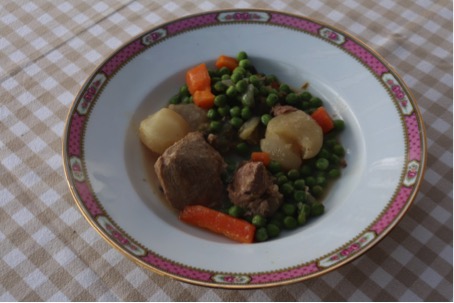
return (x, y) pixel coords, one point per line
(48, 251)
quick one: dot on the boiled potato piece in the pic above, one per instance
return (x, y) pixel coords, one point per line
(281, 151)
(162, 129)
(300, 129)
(194, 115)
(248, 128)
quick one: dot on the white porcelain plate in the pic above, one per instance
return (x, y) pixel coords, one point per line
(109, 178)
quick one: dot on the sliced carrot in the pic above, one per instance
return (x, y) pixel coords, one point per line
(203, 98)
(261, 157)
(321, 116)
(218, 222)
(226, 61)
(198, 78)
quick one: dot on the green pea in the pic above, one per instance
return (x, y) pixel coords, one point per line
(310, 181)
(282, 179)
(329, 143)
(299, 195)
(223, 111)
(334, 173)
(184, 90)
(235, 111)
(306, 170)
(255, 80)
(240, 70)
(274, 167)
(293, 174)
(246, 113)
(306, 96)
(242, 148)
(245, 63)
(299, 184)
(287, 188)
(339, 124)
(339, 150)
(277, 175)
(215, 126)
(272, 99)
(321, 180)
(224, 71)
(288, 209)
(315, 102)
(284, 88)
(175, 99)
(241, 55)
(219, 87)
(334, 159)
(186, 100)
(258, 220)
(212, 114)
(304, 105)
(261, 234)
(236, 211)
(265, 119)
(290, 222)
(236, 77)
(236, 122)
(323, 153)
(263, 90)
(270, 78)
(220, 100)
(231, 91)
(272, 91)
(322, 164)
(292, 99)
(273, 230)
(317, 190)
(317, 209)
(241, 86)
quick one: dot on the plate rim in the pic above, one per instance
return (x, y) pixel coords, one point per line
(212, 283)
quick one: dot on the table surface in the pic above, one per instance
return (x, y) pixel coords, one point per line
(49, 252)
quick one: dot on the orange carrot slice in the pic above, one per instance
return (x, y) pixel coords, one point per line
(203, 98)
(263, 157)
(321, 116)
(198, 78)
(218, 222)
(226, 61)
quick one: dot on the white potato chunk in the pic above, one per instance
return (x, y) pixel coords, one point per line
(193, 114)
(281, 151)
(162, 129)
(300, 129)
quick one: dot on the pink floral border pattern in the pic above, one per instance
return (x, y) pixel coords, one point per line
(80, 114)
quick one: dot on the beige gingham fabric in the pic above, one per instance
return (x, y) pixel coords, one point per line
(48, 252)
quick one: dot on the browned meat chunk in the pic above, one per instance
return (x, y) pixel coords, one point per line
(282, 109)
(253, 189)
(190, 171)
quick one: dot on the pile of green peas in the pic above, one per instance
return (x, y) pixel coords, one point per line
(245, 93)
(302, 188)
